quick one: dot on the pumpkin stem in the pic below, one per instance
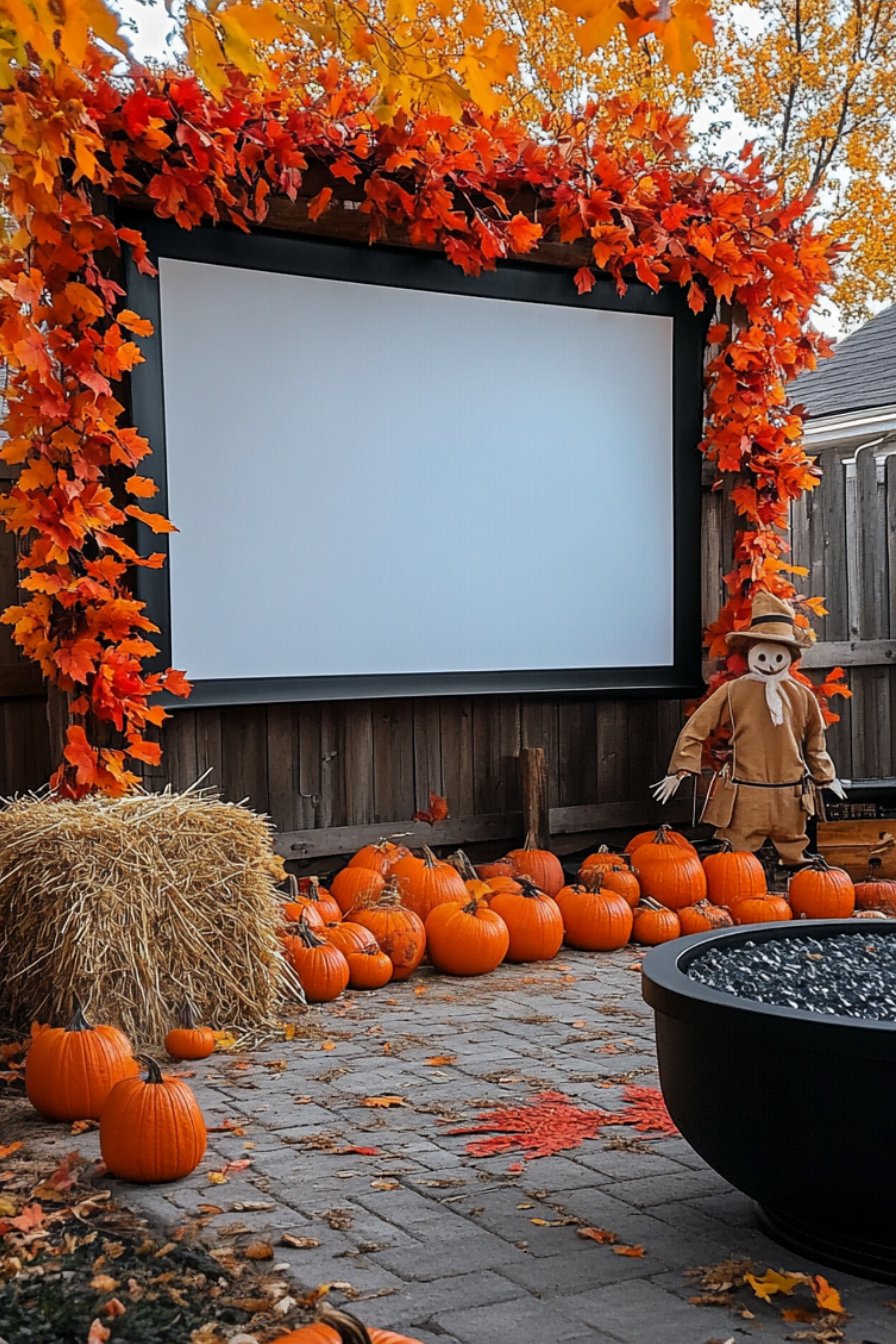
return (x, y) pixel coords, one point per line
(650, 904)
(529, 889)
(189, 1015)
(662, 835)
(531, 841)
(153, 1072)
(293, 886)
(725, 847)
(313, 892)
(349, 1329)
(389, 896)
(307, 934)
(461, 863)
(79, 1021)
(429, 858)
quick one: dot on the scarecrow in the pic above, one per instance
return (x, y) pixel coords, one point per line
(778, 765)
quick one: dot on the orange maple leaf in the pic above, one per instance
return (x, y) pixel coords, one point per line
(438, 810)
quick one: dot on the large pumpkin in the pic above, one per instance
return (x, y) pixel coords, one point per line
(152, 1129)
(819, 891)
(703, 916)
(653, 923)
(533, 921)
(338, 1327)
(398, 930)
(597, 921)
(322, 969)
(645, 837)
(381, 857)
(732, 875)
(70, 1071)
(189, 1040)
(466, 938)
(762, 910)
(669, 874)
(541, 866)
(427, 882)
(354, 886)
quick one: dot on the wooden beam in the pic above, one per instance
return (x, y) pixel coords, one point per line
(20, 680)
(534, 794)
(851, 653)
(617, 816)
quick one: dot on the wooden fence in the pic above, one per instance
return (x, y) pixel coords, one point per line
(334, 775)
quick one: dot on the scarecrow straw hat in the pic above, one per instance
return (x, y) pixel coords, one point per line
(773, 622)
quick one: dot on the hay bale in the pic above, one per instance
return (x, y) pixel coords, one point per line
(128, 904)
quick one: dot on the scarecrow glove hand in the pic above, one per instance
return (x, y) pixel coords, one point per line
(666, 788)
(837, 789)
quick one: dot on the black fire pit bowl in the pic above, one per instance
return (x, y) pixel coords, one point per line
(793, 1108)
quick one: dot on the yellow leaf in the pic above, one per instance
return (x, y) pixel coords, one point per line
(224, 1040)
(388, 1100)
(826, 1296)
(773, 1282)
(436, 1061)
(328, 1045)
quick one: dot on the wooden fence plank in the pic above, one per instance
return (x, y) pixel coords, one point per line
(244, 755)
(456, 714)
(393, 759)
(539, 727)
(427, 752)
(612, 753)
(852, 653)
(209, 750)
(496, 745)
(308, 801)
(355, 764)
(890, 521)
(577, 747)
(283, 765)
(836, 549)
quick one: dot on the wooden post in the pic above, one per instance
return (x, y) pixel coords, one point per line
(534, 793)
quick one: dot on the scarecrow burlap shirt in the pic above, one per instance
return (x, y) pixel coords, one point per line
(763, 754)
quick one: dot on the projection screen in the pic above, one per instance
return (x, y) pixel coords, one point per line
(382, 484)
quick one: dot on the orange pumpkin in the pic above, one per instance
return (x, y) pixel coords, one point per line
(819, 891)
(354, 886)
(597, 921)
(646, 837)
(653, 923)
(541, 866)
(876, 893)
(603, 860)
(762, 910)
(322, 969)
(427, 882)
(379, 857)
(189, 1040)
(732, 875)
(152, 1129)
(306, 893)
(368, 969)
(669, 874)
(498, 884)
(703, 916)
(398, 930)
(350, 937)
(533, 921)
(338, 1327)
(70, 1071)
(497, 868)
(621, 880)
(466, 938)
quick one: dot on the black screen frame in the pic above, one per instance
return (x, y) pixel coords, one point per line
(408, 268)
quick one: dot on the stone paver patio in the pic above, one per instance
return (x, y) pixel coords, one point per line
(442, 1244)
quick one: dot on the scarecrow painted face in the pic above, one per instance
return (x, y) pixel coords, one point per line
(769, 659)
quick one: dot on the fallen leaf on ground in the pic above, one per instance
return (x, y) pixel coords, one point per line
(7, 1149)
(385, 1185)
(298, 1243)
(636, 1252)
(420, 989)
(772, 1282)
(224, 1040)
(357, 1148)
(103, 1283)
(259, 1250)
(328, 1045)
(600, 1234)
(826, 1296)
(31, 1217)
(97, 1334)
(436, 1061)
(388, 1100)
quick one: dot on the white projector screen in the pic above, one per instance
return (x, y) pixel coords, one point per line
(377, 480)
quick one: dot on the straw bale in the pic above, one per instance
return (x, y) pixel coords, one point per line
(128, 904)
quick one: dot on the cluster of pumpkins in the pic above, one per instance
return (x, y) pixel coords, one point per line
(151, 1128)
(389, 907)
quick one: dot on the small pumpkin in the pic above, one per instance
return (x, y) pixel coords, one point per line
(533, 921)
(621, 880)
(354, 886)
(498, 884)
(189, 1040)
(646, 838)
(466, 938)
(875, 892)
(766, 909)
(819, 891)
(732, 875)
(497, 868)
(668, 873)
(322, 969)
(338, 1327)
(603, 860)
(350, 937)
(151, 1129)
(70, 1071)
(597, 921)
(380, 857)
(307, 894)
(368, 969)
(703, 916)
(398, 930)
(653, 923)
(427, 882)
(541, 866)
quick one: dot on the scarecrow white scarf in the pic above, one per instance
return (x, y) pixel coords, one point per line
(773, 697)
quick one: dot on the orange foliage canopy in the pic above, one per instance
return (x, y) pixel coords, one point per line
(74, 144)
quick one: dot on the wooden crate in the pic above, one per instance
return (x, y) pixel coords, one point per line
(852, 844)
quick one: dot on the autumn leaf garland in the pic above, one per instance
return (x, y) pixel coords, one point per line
(75, 145)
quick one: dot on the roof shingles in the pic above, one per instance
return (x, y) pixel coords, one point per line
(860, 374)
